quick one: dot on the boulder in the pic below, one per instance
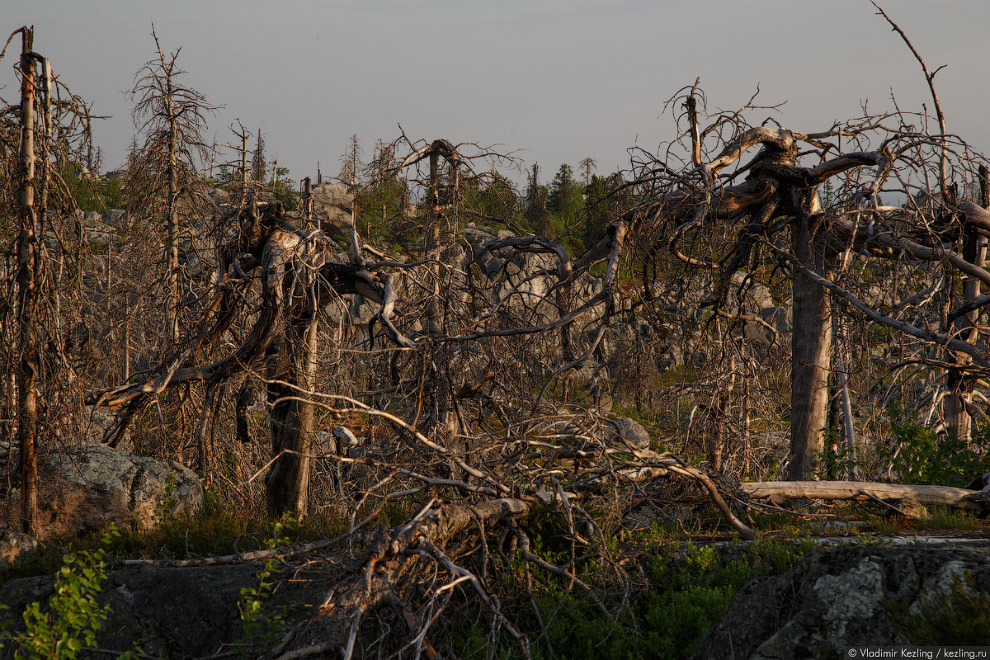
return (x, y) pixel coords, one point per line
(628, 431)
(98, 239)
(332, 204)
(85, 486)
(778, 317)
(842, 597)
(13, 544)
(219, 196)
(175, 612)
(115, 218)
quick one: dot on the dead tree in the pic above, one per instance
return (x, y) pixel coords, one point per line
(26, 375)
(172, 118)
(52, 128)
(780, 194)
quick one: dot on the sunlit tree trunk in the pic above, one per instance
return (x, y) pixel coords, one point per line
(293, 421)
(27, 296)
(811, 349)
(958, 421)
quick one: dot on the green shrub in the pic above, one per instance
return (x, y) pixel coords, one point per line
(72, 617)
(921, 456)
(686, 592)
(263, 626)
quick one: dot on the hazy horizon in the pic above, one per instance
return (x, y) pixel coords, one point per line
(551, 82)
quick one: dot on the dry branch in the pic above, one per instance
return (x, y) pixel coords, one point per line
(403, 550)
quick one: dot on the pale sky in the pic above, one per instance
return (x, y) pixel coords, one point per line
(554, 82)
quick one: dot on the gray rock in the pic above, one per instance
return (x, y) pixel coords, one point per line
(362, 310)
(778, 317)
(115, 218)
(756, 294)
(629, 431)
(841, 597)
(97, 423)
(477, 236)
(344, 437)
(332, 204)
(173, 612)
(219, 196)
(85, 486)
(14, 544)
(98, 238)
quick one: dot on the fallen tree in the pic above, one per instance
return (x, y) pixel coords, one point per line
(860, 491)
(398, 564)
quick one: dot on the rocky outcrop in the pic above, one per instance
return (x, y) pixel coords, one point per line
(332, 204)
(85, 486)
(518, 282)
(174, 612)
(841, 597)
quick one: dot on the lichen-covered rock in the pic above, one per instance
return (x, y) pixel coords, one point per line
(629, 431)
(841, 597)
(332, 204)
(85, 486)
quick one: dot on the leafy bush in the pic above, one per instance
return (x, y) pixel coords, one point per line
(919, 455)
(263, 627)
(73, 616)
(916, 454)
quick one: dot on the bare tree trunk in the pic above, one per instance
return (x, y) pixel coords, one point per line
(293, 413)
(307, 201)
(745, 419)
(293, 421)
(172, 220)
(810, 355)
(717, 446)
(958, 421)
(244, 173)
(848, 430)
(432, 245)
(27, 262)
(961, 498)
(442, 422)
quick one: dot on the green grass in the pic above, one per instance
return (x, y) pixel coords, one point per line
(944, 518)
(216, 529)
(687, 589)
(939, 518)
(958, 617)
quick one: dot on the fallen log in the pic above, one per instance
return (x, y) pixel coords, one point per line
(926, 495)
